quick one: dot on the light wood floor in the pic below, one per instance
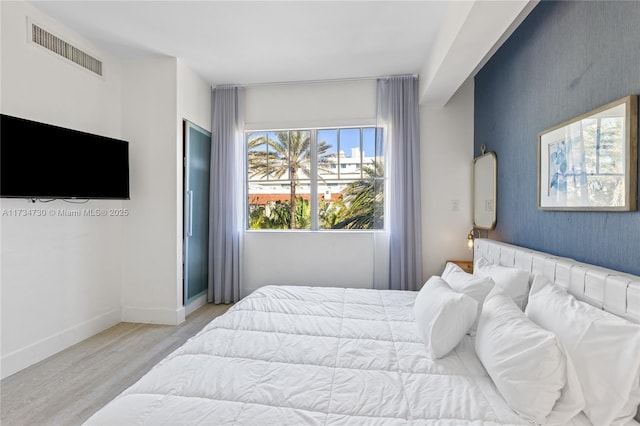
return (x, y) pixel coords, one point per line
(67, 388)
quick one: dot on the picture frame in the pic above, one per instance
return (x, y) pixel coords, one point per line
(590, 162)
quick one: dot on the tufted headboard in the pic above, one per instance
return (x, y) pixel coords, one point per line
(612, 291)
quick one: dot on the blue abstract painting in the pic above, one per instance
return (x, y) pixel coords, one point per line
(558, 166)
(583, 162)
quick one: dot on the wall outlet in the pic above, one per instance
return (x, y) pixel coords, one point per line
(455, 205)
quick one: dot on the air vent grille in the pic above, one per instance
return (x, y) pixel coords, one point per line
(68, 51)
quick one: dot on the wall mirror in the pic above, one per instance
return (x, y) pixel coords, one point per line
(484, 190)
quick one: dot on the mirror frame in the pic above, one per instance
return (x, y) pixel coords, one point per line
(488, 156)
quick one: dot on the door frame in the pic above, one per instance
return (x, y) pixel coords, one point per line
(186, 126)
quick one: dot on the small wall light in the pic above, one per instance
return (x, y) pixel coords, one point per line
(471, 237)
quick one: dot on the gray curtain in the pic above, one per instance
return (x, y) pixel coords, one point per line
(226, 219)
(397, 111)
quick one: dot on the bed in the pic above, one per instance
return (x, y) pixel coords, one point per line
(305, 355)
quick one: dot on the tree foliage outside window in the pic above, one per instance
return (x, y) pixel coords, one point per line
(362, 202)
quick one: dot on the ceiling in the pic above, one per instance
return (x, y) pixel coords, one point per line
(261, 42)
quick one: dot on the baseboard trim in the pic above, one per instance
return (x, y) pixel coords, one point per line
(153, 315)
(195, 304)
(31, 354)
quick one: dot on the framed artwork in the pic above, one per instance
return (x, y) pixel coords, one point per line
(591, 162)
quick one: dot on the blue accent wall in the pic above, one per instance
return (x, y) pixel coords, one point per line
(565, 59)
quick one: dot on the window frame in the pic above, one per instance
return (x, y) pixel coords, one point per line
(313, 179)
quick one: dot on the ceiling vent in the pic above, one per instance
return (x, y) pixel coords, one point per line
(68, 51)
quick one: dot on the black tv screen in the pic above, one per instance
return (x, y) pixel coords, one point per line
(39, 160)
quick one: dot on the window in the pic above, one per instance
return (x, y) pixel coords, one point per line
(315, 179)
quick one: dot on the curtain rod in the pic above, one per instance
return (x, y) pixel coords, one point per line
(294, 82)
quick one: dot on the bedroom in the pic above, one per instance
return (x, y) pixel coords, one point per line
(79, 298)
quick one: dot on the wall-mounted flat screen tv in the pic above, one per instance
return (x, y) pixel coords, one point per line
(42, 161)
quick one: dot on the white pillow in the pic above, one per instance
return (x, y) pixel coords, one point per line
(528, 364)
(442, 316)
(605, 350)
(472, 285)
(513, 282)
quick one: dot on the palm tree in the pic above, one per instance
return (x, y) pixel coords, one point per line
(288, 156)
(363, 201)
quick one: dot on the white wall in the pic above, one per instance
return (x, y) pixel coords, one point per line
(332, 258)
(194, 99)
(287, 106)
(60, 276)
(151, 253)
(446, 137)
(158, 94)
(326, 259)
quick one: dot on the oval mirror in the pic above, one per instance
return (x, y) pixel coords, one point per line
(484, 191)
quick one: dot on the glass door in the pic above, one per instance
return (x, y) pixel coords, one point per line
(197, 158)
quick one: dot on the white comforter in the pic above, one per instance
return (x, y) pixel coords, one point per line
(303, 355)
